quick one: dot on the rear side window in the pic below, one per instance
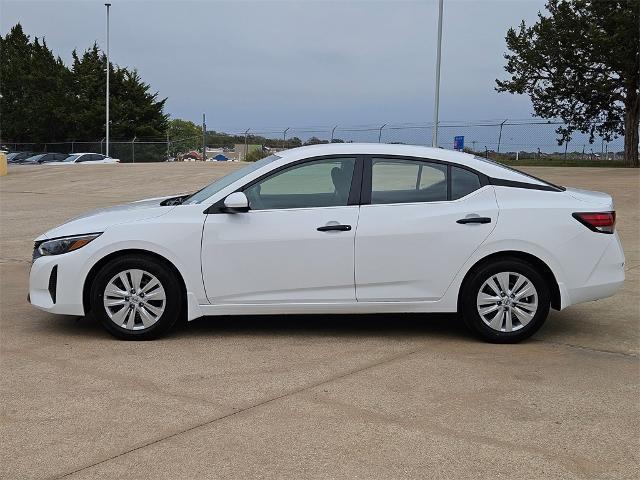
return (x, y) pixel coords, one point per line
(463, 182)
(407, 181)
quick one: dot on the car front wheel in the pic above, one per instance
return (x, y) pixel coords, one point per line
(505, 301)
(136, 298)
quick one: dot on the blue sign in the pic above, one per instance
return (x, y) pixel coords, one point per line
(458, 142)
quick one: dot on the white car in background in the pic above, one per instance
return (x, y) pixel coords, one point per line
(88, 158)
(339, 228)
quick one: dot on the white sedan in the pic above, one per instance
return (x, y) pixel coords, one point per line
(340, 228)
(88, 159)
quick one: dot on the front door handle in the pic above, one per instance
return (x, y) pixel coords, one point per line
(474, 220)
(338, 228)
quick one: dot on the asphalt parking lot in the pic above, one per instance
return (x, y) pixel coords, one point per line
(388, 396)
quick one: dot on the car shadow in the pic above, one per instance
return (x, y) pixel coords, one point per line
(406, 325)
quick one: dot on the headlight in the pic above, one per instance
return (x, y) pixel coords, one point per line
(59, 246)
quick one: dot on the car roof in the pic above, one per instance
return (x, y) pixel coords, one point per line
(487, 167)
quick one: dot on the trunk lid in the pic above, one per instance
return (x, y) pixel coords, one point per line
(600, 199)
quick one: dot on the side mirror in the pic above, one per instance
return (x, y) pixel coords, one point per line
(237, 202)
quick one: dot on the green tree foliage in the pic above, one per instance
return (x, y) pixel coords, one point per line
(257, 154)
(220, 139)
(34, 87)
(581, 63)
(43, 100)
(184, 136)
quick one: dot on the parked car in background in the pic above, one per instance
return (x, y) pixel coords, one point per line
(339, 228)
(89, 158)
(19, 157)
(44, 158)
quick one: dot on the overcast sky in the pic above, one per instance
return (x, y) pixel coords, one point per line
(265, 64)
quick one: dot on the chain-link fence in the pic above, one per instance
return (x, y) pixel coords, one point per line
(506, 139)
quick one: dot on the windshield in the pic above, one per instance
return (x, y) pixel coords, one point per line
(227, 180)
(35, 158)
(71, 158)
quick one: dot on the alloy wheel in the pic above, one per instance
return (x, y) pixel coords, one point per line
(507, 301)
(134, 299)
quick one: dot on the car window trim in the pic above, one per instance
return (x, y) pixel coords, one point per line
(367, 187)
(354, 192)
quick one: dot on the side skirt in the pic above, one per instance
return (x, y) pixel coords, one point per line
(329, 308)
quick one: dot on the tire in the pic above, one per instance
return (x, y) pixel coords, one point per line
(523, 304)
(147, 309)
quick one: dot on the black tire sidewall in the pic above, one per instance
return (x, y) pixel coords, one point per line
(164, 274)
(470, 291)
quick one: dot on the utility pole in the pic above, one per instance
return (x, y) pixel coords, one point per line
(108, 5)
(436, 107)
(167, 145)
(284, 138)
(204, 133)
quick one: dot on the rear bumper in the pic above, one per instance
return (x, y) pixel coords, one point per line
(605, 279)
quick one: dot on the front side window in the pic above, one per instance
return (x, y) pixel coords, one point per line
(407, 181)
(317, 183)
(223, 182)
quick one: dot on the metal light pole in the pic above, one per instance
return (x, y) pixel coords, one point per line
(500, 135)
(380, 132)
(108, 5)
(204, 141)
(436, 107)
(246, 143)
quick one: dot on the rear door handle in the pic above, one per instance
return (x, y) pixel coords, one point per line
(474, 220)
(339, 228)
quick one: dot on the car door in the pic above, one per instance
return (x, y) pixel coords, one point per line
(295, 244)
(419, 222)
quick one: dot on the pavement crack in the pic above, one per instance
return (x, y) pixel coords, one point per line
(253, 406)
(592, 349)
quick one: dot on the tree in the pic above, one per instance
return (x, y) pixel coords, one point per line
(315, 141)
(134, 110)
(581, 63)
(184, 136)
(35, 98)
(43, 100)
(256, 154)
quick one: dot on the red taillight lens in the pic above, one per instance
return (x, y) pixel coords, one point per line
(603, 222)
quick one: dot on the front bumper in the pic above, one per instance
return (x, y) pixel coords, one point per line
(55, 286)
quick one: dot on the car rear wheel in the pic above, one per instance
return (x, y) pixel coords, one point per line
(505, 301)
(136, 298)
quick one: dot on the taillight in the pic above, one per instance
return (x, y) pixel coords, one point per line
(603, 222)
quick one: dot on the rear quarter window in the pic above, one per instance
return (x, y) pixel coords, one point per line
(463, 182)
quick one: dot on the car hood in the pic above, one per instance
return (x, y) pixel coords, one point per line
(102, 218)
